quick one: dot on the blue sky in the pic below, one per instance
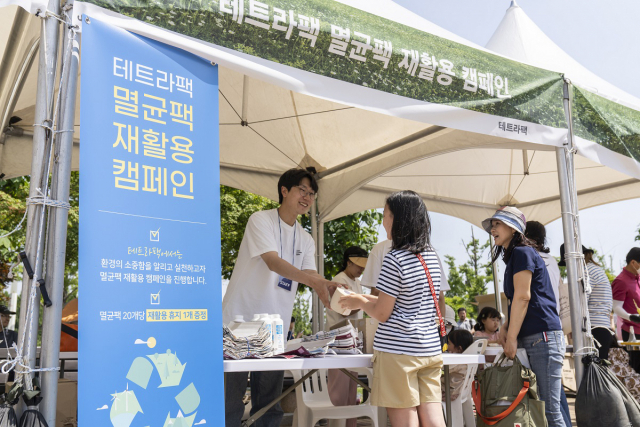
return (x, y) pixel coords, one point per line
(600, 35)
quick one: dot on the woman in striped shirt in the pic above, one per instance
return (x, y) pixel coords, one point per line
(407, 355)
(600, 304)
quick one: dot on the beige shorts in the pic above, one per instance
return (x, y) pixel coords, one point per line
(403, 381)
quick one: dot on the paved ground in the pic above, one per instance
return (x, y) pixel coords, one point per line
(365, 422)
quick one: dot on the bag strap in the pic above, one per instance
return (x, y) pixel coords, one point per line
(477, 398)
(69, 331)
(443, 331)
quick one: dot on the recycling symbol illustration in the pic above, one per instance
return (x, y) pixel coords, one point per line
(125, 405)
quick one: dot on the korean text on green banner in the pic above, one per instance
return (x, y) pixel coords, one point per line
(150, 348)
(332, 39)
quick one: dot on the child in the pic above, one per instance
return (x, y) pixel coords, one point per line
(459, 341)
(407, 356)
(488, 324)
(343, 391)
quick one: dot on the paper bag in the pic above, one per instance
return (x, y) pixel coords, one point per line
(368, 328)
(67, 405)
(565, 311)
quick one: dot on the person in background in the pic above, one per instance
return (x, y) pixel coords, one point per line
(533, 321)
(600, 302)
(9, 336)
(374, 265)
(488, 324)
(343, 391)
(292, 330)
(619, 359)
(354, 261)
(626, 296)
(459, 341)
(407, 361)
(275, 254)
(535, 231)
(464, 322)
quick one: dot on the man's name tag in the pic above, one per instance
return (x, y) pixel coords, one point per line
(285, 283)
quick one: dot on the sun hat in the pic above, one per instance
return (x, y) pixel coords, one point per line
(359, 261)
(510, 216)
(357, 255)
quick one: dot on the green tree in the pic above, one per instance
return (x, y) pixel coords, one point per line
(13, 195)
(301, 311)
(358, 229)
(469, 279)
(236, 206)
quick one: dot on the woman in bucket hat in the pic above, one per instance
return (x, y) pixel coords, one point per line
(533, 321)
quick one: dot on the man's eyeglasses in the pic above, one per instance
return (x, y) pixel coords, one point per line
(304, 192)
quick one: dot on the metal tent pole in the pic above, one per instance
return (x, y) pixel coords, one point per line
(315, 301)
(494, 272)
(34, 243)
(568, 203)
(320, 252)
(58, 228)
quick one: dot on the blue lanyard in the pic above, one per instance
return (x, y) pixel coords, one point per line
(293, 250)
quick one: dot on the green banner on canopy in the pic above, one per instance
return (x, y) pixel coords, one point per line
(341, 42)
(608, 123)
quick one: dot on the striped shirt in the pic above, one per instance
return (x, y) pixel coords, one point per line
(600, 299)
(411, 329)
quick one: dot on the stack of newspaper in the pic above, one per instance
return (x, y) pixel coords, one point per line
(310, 348)
(346, 340)
(246, 340)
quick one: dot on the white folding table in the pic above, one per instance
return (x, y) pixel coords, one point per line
(342, 362)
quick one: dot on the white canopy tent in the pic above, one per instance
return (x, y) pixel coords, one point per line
(286, 128)
(364, 143)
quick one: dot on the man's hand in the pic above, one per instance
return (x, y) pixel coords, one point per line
(325, 290)
(322, 289)
(510, 347)
(635, 318)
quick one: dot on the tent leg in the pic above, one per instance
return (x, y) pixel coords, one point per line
(34, 244)
(58, 229)
(571, 232)
(315, 301)
(496, 285)
(320, 251)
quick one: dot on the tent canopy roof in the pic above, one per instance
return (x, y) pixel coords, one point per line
(364, 145)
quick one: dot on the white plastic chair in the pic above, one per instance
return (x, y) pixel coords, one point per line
(462, 408)
(314, 404)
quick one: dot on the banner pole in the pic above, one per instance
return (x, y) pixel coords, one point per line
(571, 232)
(58, 226)
(320, 310)
(34, 244)
(314, 296)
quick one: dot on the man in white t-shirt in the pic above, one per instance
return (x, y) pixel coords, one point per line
(374, 265)
(275, 254)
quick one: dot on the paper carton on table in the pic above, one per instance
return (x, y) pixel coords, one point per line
(335, 304)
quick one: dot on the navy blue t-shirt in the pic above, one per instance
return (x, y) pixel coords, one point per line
(541, 315)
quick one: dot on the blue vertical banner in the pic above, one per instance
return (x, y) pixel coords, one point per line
(150, 344)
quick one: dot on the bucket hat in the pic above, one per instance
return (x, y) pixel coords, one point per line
(510, 216)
